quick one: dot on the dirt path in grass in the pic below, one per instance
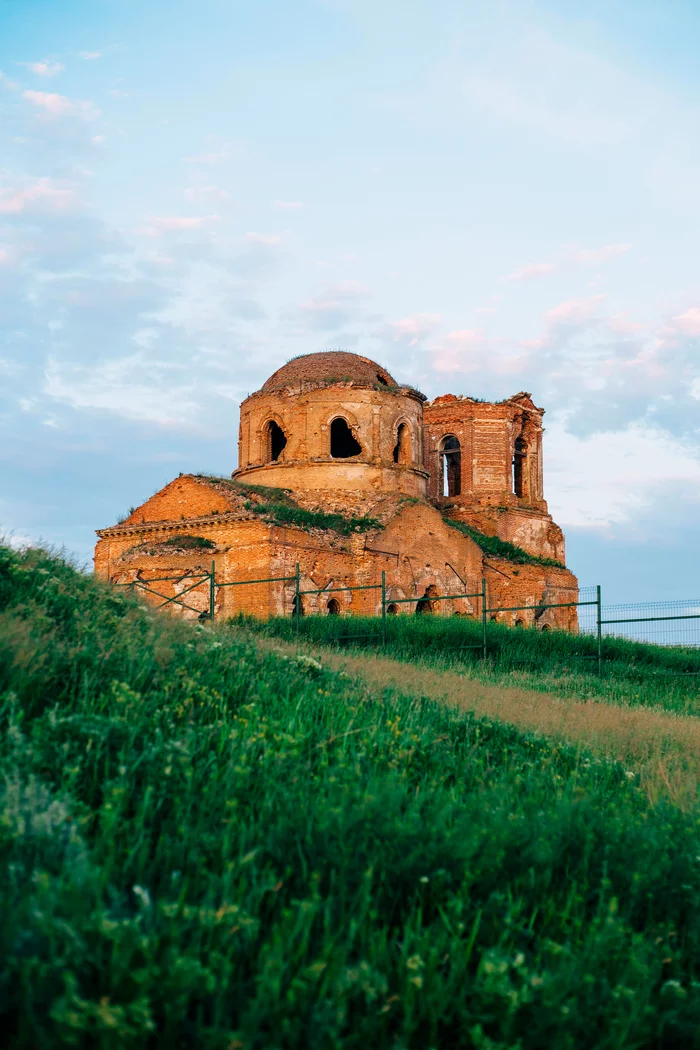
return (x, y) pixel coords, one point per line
(663, 748)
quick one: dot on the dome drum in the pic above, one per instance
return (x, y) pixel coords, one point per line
(348, 433)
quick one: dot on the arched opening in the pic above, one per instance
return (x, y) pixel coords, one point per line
(402, 448)
(296, 599)
(275, 441)
(425, 605)
(519, 623)
(546, 627)
(382, 379)
(451, 466)
(392, 609)
(333, 607)
(343, 441)
(519, 460)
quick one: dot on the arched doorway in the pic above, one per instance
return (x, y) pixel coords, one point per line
(451, 466)
(333, 607)
(300, 600)
(392, 609)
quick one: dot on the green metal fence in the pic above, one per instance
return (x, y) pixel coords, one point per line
(662, 623)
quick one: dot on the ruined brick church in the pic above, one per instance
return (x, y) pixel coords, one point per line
(348, 474)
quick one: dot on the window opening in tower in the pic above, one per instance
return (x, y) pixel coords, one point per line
(519, 458)
(402, 448)
(276, 441)
(451, 458)
(343, 442)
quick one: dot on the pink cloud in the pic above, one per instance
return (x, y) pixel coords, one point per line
(42, 192)
(45, 68)
(59, 105)
(575, 310)
(689, 321)
(595, 256)
(528, 272)
(268, 239)
(289, 205)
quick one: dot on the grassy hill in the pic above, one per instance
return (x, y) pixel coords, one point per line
(633, 673)
(209, 843)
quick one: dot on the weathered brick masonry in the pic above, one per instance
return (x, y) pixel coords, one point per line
(340, 436)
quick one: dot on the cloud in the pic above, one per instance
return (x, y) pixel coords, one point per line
(42, 194)
(89, 56)
(596, 256)
(209, 159)
(129, 387)
(413, 329)
(177, 224)
(290, 205)
(44, 68)
(203, 193)
(60, 106)
(336, 306)
(579, 256)
(528, 272)
(575, 310)
(270, 240)
(605, 478)
(688, 322)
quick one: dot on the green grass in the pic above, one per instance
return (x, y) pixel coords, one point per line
(207, 844)
(498, 548)
(279, 508)
(634, 673)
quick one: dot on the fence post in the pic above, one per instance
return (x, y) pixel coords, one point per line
(599, 617)
(483, 612)
(297, 598)
(212, 591)
(383, 606)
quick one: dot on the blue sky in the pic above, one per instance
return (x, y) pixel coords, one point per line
(486, 198)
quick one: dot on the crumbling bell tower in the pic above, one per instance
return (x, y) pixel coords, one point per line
(485, 465)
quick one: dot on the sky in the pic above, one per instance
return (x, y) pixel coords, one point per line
(485, 198)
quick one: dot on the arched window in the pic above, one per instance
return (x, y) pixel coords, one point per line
(392, 610)
(333, 607)
(344, 445)
(519, 460)
(275, 441)
(451, 466)
(402, 448)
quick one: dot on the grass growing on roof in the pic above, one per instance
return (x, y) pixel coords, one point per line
(498, 548)
(280, 508)
(209, 845)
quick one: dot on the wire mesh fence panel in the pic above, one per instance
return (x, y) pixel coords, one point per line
(587, 614)
(670, 623)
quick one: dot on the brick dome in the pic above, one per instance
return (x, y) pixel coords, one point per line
(329, 366)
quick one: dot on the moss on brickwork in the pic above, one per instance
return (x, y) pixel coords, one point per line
(498, 548)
